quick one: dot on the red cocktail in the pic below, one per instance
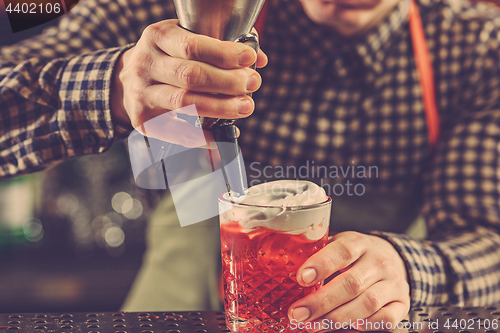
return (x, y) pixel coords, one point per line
(260, 266)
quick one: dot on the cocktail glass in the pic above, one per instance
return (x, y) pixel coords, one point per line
(260, 261)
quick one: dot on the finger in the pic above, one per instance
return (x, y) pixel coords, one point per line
(368, 303)
(262, 59)
(181, 43)
(167, 127)
(201, 77)
(261, 56)
(346, 248)
(166, 97)
(386, 319)
(341, 290)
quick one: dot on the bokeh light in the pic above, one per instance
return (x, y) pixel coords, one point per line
(114, 236)
(33, 229)
(135, 211)
(66, 204)
(127, 205)
(118, 201)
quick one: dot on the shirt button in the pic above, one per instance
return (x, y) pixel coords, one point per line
(90, 139)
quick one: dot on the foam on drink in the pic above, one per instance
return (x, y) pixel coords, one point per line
(266, 236)
(270, 200)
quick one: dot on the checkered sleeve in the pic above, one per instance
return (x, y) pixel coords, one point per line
(53, 111)
(459, 264)
(54, 88)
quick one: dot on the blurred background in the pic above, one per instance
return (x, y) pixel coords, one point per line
(72, 237)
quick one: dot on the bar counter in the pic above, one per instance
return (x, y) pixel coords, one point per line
(421, 320)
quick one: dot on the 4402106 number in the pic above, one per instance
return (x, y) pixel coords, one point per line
(33, 8)
(473, 323)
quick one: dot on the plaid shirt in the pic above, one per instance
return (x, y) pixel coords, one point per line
(324, 99)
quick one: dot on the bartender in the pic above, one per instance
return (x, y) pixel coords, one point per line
(342, 88)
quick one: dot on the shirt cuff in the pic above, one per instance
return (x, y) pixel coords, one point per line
(425, 266)
(84, 117)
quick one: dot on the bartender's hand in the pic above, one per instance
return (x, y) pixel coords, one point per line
(170, 68)
(372, 284)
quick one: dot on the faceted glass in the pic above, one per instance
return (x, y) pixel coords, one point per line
(260, 266)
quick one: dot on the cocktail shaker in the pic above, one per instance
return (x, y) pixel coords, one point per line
(228, 20)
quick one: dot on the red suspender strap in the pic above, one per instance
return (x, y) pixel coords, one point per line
(422, 60)
(425, 73)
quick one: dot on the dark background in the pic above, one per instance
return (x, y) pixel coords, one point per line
(69, 266)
